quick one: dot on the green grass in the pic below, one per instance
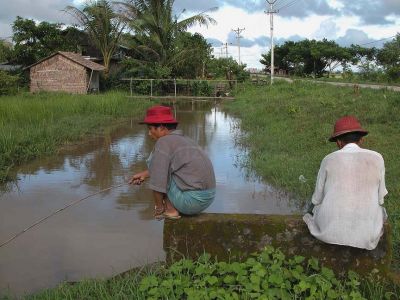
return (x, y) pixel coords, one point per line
(265, 275)
(288, 125)
(35, 125)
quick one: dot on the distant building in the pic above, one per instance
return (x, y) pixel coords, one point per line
(254, 70)
(9, 67)
(65, 71)
(277, 71)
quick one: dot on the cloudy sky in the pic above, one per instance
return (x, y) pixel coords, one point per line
(365, 22)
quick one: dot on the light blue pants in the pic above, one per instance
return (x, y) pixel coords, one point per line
(190, 202)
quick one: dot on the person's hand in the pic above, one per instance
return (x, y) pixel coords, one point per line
(138, 178)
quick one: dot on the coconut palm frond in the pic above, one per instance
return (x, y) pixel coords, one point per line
(156, 28)
(103, 25)
(77, 14)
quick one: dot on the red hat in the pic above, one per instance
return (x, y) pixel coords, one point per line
(159, 115)
(345, 125)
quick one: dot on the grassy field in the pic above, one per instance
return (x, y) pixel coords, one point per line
(35, 125)
(288, 126)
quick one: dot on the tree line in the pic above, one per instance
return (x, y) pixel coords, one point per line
(150, 41)
(317, 58)
(148, 38)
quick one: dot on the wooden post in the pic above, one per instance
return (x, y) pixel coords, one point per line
(151, 88)
(175, 87)
(131, 86)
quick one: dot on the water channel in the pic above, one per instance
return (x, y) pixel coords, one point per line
(115, 231)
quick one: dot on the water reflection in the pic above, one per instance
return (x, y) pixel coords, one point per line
(114, 231)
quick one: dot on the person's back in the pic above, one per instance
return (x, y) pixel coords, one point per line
(348, 197)
(189, 166)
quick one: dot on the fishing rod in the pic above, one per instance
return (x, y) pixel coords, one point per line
(57, 211)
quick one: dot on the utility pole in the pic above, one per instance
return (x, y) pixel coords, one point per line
(238, 31)
(271, 13)
(225, 45)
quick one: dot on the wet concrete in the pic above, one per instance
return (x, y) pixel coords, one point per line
(115, 231)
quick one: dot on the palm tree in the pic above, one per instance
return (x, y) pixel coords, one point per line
(103, 25)
(156, 30)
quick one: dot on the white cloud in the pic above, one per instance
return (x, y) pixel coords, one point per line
(327, 29)
(257, 33)
(43, 10)
(316, 19)
(336, 4)
(354, 36)
(5, 31)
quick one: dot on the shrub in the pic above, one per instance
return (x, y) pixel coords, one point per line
(8, 83)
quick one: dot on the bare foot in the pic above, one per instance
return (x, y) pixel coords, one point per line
(170, 211)
(171, 216)
(159, 212)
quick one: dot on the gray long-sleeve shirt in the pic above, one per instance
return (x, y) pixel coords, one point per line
(180, 158)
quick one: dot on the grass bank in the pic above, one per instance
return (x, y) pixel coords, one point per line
(35, 125)
(288, 125)
(266, 275)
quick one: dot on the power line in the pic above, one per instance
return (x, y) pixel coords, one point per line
(225, 46)
(283, 2)
(378, 40)
(221, 51)
(287, 5)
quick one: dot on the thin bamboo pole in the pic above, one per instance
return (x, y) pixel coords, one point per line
(131, 86)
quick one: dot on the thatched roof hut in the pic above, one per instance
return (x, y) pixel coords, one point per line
(65, 71)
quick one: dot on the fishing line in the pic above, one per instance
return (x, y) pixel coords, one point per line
(57, 211)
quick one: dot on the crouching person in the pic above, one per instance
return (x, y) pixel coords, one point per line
(180, 173)
(349, 191)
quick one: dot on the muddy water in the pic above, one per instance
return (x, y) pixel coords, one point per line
(115, 231)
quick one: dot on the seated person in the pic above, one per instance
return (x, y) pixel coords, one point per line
(349, 191)
(181, 175)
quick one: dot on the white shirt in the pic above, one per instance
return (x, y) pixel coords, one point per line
(348, 196)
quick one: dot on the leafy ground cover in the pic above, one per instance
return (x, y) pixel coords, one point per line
(35, 125)
(265, 275)
(287, 127)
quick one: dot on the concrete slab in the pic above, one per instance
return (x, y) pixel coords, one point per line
(235, 236)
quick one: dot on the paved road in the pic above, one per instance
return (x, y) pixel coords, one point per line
(361, 85)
